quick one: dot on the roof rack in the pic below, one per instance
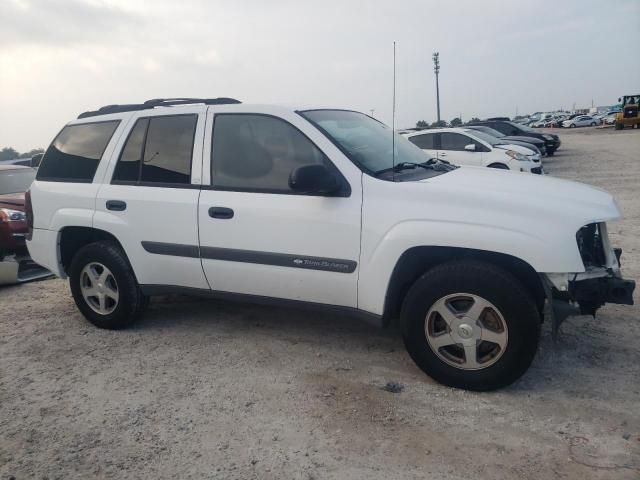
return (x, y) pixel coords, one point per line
(157, 102)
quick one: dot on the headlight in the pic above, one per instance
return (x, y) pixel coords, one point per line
(548, 137)
(517, 156)
(8, 215)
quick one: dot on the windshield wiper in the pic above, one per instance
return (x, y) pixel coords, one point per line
(431, 164)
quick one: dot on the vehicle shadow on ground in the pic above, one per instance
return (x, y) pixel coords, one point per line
(581, 349)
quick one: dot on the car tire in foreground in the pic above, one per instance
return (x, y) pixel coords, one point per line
(573, 125)
(470, 324)
(104, 287)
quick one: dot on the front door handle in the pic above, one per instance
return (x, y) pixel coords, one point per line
(221, 212)
(116, 205)
(442, 154)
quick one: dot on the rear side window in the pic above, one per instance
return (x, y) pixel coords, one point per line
(426, 141)
(75, 153)
(158, 150)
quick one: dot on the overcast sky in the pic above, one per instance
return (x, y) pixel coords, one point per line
(61, 57)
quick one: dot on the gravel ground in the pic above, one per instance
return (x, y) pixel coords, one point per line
(212, 389)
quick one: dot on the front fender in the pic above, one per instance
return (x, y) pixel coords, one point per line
(551, 252)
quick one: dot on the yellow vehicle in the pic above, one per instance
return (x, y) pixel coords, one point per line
(629, 114)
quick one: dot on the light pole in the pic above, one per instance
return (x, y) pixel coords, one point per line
(436, 70)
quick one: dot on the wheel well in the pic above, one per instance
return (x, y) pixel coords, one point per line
(73, 239)
(416, 261)
(498, 165)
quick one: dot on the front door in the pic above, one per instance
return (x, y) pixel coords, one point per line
(452, 149)
(258, 236)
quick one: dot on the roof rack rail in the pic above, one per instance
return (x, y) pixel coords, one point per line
(157, 102)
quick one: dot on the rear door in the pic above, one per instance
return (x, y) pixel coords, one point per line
(149, 196)
(260, 238)
(452, 149)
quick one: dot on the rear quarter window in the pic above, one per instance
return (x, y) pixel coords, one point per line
(75, 153)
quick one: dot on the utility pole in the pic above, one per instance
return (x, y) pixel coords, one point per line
(436, 70)
(372, 110)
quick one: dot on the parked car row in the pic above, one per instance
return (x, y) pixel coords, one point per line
(466, 146)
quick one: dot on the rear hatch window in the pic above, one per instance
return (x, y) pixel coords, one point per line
(75, 153)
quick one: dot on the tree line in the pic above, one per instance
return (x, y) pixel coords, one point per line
(456, 122)
(8, 153)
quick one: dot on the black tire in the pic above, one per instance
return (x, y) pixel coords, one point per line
(593, 124)
(499, 166)
(492, 283)
(573, 125)
(619, 126)
(131, 302)
(550, 153)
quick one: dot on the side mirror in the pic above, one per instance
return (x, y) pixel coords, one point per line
(36, 159)
(470, 148)
(620, 99)
(313, 179)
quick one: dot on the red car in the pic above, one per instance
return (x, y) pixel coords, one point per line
(15, 264)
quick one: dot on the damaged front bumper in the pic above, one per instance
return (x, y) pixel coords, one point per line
(584, 293)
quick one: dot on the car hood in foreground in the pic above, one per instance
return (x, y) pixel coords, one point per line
(14, 201)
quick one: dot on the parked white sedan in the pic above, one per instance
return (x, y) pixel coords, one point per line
(462, 146)
(581, 121)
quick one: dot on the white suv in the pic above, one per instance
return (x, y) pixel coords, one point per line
(324, 208)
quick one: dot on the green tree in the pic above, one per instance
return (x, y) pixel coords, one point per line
(31, 153)
(8, 153)
(456, 122)
(474, 119)
(440, 124)
(422, 124)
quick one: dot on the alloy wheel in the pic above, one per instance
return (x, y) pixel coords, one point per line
(99, 288)
(466, 331)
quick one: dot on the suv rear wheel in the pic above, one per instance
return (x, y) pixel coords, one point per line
(104, 286)
(470, 324)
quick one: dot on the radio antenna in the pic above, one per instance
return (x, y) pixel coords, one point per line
(393, 119)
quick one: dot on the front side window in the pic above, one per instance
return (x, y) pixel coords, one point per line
(426, 141)
(158, 150)
(253, 152)
(454, 141)
(75, 153)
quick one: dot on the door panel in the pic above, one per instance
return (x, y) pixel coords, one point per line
(452, 150)
(275, 243)
(152, 206)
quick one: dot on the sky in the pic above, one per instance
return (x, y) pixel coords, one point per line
(59, 58)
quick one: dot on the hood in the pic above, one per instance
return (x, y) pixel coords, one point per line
(542, 199)
(516, 148)
(14, 201)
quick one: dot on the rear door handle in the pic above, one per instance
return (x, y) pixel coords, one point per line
(221, 212)
(443, 154)
(116, 205)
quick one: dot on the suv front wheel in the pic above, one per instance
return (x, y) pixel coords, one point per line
(470, 324)
(104, 286)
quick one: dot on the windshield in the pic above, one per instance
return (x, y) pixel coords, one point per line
(367, 142)
(16, 180)
(490, 139)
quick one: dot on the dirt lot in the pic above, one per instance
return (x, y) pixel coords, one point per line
(210, 389)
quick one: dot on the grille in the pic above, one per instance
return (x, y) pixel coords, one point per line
(590, 245)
